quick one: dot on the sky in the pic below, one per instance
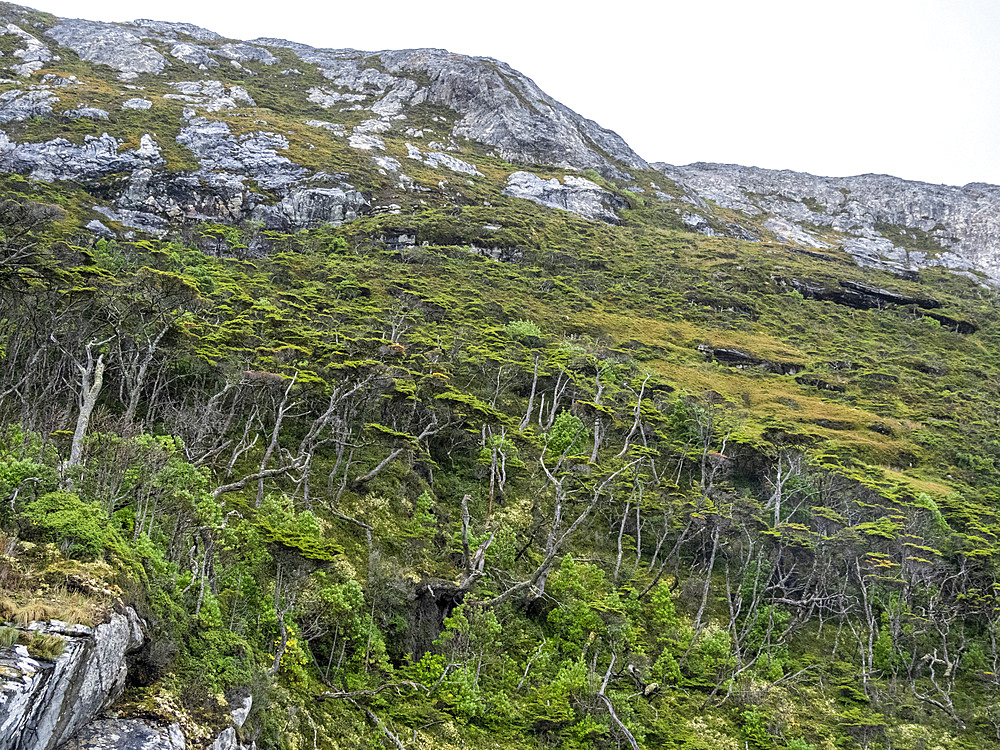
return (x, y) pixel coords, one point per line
(909, 88)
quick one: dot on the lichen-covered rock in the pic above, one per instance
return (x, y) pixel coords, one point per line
(108, 44)
(33, 55)
(243, 52)
(241, 712)
(170, 29)
(333, 127)
(193, 53)
(439, 159)
(150, 198)
(91, 113)
(212, 96)
(137, 103)
(365, 142)
(575, 194)
(113, 733)
(327, 98)
(501, 107)
(99, 228)
(43, 704)
(496, 105)
(230, 160)
(312, 206)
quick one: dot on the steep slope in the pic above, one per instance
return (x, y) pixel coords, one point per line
(168, 122)
(407, 408)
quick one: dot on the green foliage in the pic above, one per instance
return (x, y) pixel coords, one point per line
(523, 330)
(78, 527)
(566, 434)
(755, 729)
(426, 355)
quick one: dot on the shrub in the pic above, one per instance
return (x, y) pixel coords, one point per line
(79, 528)
(566, 434)
(523, 330)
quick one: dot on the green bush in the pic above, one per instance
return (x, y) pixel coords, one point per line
(566, 434)
(523, 330)
(79, 528)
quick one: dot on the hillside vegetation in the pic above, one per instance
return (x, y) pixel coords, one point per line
(474, 472)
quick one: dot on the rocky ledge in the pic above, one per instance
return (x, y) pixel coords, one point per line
(44, 703)
(67, 702)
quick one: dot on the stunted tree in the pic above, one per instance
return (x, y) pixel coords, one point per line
(91, 382)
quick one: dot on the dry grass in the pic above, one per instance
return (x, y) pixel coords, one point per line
(7, 607)
(684, 336)
(69, 607)
(774, 400)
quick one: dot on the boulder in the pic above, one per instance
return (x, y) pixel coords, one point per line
(575, 194)
(44, 703)
(128, 734)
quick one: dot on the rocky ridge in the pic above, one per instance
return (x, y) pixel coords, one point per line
(203, 128)
(203, 87)
(881, 221)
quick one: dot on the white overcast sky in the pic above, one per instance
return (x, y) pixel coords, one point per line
(833, 87)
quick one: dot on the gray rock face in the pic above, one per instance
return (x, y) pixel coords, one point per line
(127, 734)
(43, 704)
(229, 160)
(503, 108)
(137, 103)
(17, 105)
(91, 113)
(496, 105)
(439, 159)
(59, 159)
(138, 734)
(212, 96)
(492, 104)
(243, 52)
(882, 221)
(168, 29)
(576, 195)
(326, 98)
(108, 44)
(33, 55)
(193, 53)
(312, 206)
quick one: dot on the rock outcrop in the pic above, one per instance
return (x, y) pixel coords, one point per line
(44, 703)
(287, 142)
(505, 109)
(575, 194)
(881, 221)
(109, 44)
(127, 734)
